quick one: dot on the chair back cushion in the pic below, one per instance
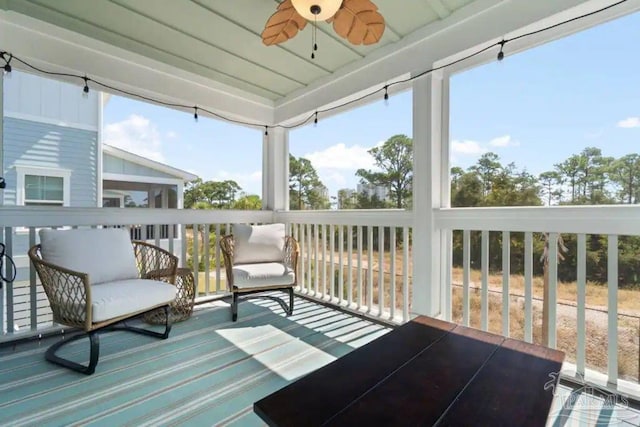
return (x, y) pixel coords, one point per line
(258, 243)
(104, 254)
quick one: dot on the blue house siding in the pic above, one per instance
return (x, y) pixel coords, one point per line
(29, 143)
(111, 164)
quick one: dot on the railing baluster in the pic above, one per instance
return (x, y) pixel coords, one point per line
(195, 257)
(528, 286)
(183, 246)
(553, 289)
(582, 303)
(405, 274)
(506, 272)
(392, 272)
(332, 269)
(218, 269)
(370, 268)
(350, 266)
(316, 259)
(341, 265)
(8, 272)
(380, 270)
(466, 275)
(484, 305)
(207, 266)
(324, 260)
(359, 265)
(612, 308)
(309, 256)
(303, 264)
(156, 234)
(33, 286)
(171, 236)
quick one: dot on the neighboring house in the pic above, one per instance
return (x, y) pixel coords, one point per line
(52, 154)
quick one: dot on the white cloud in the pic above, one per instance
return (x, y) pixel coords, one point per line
(467, 147)
(503, 141)
(630, 122)
(172, 135)
(136, 134)
(340, 156)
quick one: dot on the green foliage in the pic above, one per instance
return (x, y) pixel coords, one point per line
(395, 161)
(306, 191)
(200, 194)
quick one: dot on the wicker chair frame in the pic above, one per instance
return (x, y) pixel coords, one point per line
(69, 295)
(291, 254)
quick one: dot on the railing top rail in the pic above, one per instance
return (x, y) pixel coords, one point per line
(602, 219)
(378, 217)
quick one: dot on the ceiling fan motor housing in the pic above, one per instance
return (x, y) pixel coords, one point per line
(316, 10)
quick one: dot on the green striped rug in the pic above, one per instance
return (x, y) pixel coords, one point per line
(209, 372)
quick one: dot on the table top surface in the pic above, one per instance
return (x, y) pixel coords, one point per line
(425, 372)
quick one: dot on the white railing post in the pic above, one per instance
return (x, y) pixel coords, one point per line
(581, 320)
(506, 272)
(466, 275)
(528, 286)
(430, 181)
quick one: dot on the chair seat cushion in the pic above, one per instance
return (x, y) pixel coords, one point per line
(262, 275)
(122, 297)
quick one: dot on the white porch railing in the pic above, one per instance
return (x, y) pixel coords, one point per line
(601, 343)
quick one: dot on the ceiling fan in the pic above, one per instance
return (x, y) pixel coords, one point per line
(358, 21)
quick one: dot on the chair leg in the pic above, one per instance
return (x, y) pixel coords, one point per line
(234, 307)
(164, 335)
(290, 312)
(94, 340)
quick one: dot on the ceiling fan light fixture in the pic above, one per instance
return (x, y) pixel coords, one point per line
(316, 10)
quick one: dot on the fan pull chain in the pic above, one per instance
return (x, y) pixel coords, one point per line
(314, 46)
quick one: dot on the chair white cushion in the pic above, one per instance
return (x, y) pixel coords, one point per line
(104, 254)
(122, 297)
(262, 274)
(258, 243)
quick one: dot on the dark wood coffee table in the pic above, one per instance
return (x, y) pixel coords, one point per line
(426, 372)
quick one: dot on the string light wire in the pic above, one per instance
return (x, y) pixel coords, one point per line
(8, 57)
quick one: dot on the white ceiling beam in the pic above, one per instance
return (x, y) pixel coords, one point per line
(55, 49)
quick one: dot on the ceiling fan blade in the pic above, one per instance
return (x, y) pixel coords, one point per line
(283, 24)
(359, 22)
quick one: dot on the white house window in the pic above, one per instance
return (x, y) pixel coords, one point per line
(37, 186)
(43, 190)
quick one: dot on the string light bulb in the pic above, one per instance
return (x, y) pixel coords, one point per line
(501, 53)
(386, 95)
(266, 131)
(85, 90)
(6, 69)
(195, 114)
(315, 120)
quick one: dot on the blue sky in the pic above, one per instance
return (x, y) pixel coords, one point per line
(535, 109)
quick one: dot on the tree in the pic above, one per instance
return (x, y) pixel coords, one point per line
(625, 172)
(549, 186)
(247, 202)
(305, 188)
(217, 194)
(487, 167)
(395, 161)
(346, 199)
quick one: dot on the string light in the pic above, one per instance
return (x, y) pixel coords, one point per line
(8, 57)
(195, 114)
(501, 53)
(315, 120)
(386, 95)
(7, 66)
(85, 90)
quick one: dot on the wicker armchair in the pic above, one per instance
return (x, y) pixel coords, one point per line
(267, 274)
(76, 302)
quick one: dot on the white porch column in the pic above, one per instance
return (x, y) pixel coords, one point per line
(431, 246)
(275, 170)
(1, 150)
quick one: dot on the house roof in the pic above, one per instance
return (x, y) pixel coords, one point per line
(143, 161)
(209, 52)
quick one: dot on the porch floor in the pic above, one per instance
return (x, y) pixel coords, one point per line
(209, 372)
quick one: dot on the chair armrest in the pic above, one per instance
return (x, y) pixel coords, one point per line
(227, 246)
(154, 262)
(291, 253)
(68, 291)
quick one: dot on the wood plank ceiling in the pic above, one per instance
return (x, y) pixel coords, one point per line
(220, 39)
